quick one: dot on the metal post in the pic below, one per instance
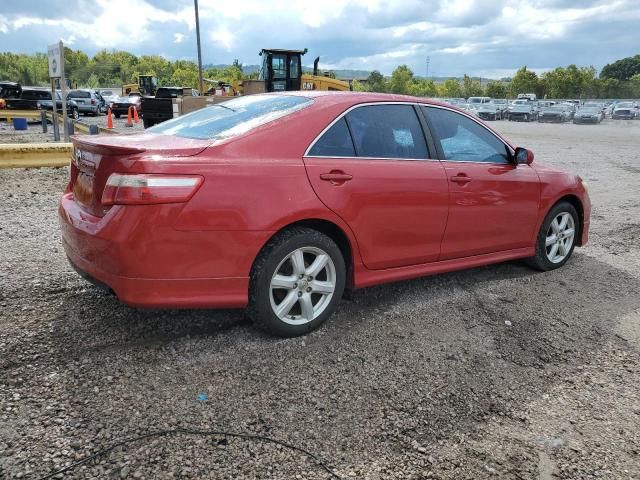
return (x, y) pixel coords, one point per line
(195, 3)
(54, 111)
(43, 119)
(63, 86)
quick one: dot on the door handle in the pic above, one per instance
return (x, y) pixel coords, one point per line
(336, 177)
(460, 178)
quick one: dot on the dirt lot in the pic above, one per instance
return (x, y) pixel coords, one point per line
(496, 372)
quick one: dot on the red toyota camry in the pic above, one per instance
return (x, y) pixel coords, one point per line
(280, 202)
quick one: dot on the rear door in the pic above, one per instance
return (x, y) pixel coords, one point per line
(493, 202)
(374, 169)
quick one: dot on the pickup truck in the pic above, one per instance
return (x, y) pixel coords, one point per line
(160, 108)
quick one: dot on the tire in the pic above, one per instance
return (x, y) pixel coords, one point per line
(117, 115)
(302, 309)
(147, 123)
(75, 114)
(545, 259)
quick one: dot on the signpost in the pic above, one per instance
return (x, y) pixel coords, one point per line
(55, 55)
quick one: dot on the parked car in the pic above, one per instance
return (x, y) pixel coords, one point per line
(588, 114)
(523, 112)
(625, 111)
(555, 113)
(489, 111)
(89, 102)
(122, 104)
(502, 104)
(273, 202)
(72, 107)
(109, 95)
(570, 108)
(478, 100)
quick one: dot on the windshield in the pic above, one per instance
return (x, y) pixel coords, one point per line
(233, 117)
(625, 105)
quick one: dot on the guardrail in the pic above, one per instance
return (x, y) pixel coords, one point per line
(37, 114)
(35, 155)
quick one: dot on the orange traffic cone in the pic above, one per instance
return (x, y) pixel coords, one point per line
(135, 115)
(109, 119)
(129, 115)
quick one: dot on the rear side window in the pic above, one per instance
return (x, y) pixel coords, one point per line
(336, 142)
(36, 95)
(235, 117)
(387, 131)
(79, 94)
(464, 140)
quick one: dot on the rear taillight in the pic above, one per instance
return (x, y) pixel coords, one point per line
(93, 102)
(146, 189)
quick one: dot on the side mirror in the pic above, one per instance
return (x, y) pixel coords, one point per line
(523, 156)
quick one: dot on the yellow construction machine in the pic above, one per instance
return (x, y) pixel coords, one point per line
(147, 85)
(282, 72)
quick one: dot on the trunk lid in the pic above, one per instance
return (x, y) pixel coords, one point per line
(95, 158)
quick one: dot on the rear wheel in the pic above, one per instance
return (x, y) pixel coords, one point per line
(556, 238)
(75, 114)
(296, 282)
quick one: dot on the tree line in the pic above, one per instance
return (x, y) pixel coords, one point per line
(110, 69)
(620, 79)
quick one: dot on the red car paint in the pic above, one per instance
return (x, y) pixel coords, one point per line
(402, 219)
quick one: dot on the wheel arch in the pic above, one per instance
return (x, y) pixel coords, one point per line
(577, 204)
(333, 231)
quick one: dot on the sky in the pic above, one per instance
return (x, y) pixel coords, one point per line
(478, 37)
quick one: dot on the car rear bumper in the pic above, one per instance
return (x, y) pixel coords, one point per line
(585, 120)
(148, 263)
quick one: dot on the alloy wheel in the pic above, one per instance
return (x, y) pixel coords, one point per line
(560, 237)
(302, 285)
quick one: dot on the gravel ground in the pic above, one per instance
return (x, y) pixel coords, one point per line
(495, 372)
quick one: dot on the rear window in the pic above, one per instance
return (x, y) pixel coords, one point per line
(232, 118)
(78, 94)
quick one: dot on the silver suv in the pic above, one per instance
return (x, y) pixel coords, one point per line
(88, 101)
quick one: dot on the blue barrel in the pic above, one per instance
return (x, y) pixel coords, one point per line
(20, 123)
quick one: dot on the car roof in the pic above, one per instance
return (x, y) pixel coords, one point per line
(347, 97)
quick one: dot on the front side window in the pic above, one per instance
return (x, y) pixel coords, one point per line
(231, 118)
(462, 139)
(335, 142)
(387, 131)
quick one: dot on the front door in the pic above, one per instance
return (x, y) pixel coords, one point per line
(493, 203)
(373, 169)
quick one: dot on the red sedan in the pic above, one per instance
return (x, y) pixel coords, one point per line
(280, 202)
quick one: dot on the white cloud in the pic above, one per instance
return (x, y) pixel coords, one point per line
(459, 35)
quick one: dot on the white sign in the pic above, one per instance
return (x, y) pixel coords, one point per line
(54, 52)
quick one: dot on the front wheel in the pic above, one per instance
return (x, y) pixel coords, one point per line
(296, 282)
(75, 114)
(556, 238)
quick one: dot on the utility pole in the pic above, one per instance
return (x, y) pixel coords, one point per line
(195, 3)
(428, 67)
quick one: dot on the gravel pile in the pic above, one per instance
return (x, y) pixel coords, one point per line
(495, 372)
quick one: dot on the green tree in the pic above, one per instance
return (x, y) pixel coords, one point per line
(376, 82)
(451, 88)
(401, 80)
(423, 88)
(471, 87)
(524, 81)
(496, 89)
(622, 69)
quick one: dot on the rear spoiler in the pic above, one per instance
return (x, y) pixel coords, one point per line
(102, 146)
